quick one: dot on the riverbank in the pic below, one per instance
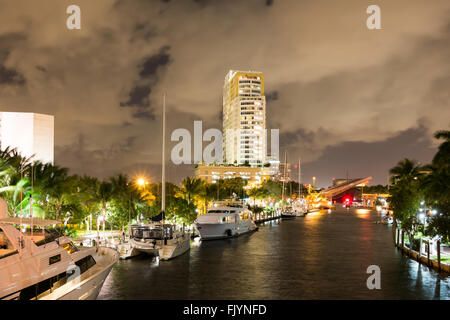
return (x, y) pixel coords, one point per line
(424, 257)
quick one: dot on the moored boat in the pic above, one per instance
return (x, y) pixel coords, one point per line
(224, 220)
(288, 213)
(163, 240)
(38, 263)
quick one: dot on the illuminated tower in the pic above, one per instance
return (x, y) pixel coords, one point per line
(244, 117)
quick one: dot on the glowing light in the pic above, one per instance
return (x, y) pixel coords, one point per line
(141, 181)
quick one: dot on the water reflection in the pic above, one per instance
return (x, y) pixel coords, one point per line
(322, 256)
(363, 213)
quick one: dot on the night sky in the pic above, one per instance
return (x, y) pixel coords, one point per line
(345, 98)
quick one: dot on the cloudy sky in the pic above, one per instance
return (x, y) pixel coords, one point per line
(345, 98)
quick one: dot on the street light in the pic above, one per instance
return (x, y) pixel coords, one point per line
(141, 181)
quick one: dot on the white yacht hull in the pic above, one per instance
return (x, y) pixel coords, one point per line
(211, 231)
(300, 212)
(88, 285)
(175, 247)
(126, 250)
(144, 247)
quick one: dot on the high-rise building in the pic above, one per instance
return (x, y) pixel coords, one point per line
(32, 134)
(244, 118)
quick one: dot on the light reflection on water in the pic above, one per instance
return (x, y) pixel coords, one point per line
(322, 256)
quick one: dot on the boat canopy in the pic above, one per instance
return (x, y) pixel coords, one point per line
(28, 221)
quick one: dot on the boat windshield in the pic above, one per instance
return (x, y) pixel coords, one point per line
(221, 211)
(41, 235)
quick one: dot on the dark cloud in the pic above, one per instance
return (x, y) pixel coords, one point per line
(144, 114)
(288, 138)
(271, 96)
(139, 96)
(153, 63)
(9, 76)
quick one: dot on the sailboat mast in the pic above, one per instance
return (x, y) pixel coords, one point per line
(163, 179)
(299, 179)
(284, 178)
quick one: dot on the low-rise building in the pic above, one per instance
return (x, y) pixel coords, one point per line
(213, 173)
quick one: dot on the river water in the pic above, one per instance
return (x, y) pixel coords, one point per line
(322, 256)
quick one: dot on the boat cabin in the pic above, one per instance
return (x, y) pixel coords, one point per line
(16, 232)
(156, 231)
(228, 214)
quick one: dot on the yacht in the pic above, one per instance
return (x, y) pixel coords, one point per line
(225, 220)
(38, 263)
(288, 213)
(162, 240)
(300, 208)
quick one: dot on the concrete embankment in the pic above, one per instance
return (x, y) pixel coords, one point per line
(421, 257)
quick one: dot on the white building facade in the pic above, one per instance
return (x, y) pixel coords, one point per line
(32, 134)
(244, 118)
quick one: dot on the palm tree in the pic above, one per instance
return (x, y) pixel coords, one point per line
(436, 187)
(208, 192)
(442, 157)
(191, 187)
(406, 170)
(87, 188)
(57, 189)
(14, 181)
(104, 194)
